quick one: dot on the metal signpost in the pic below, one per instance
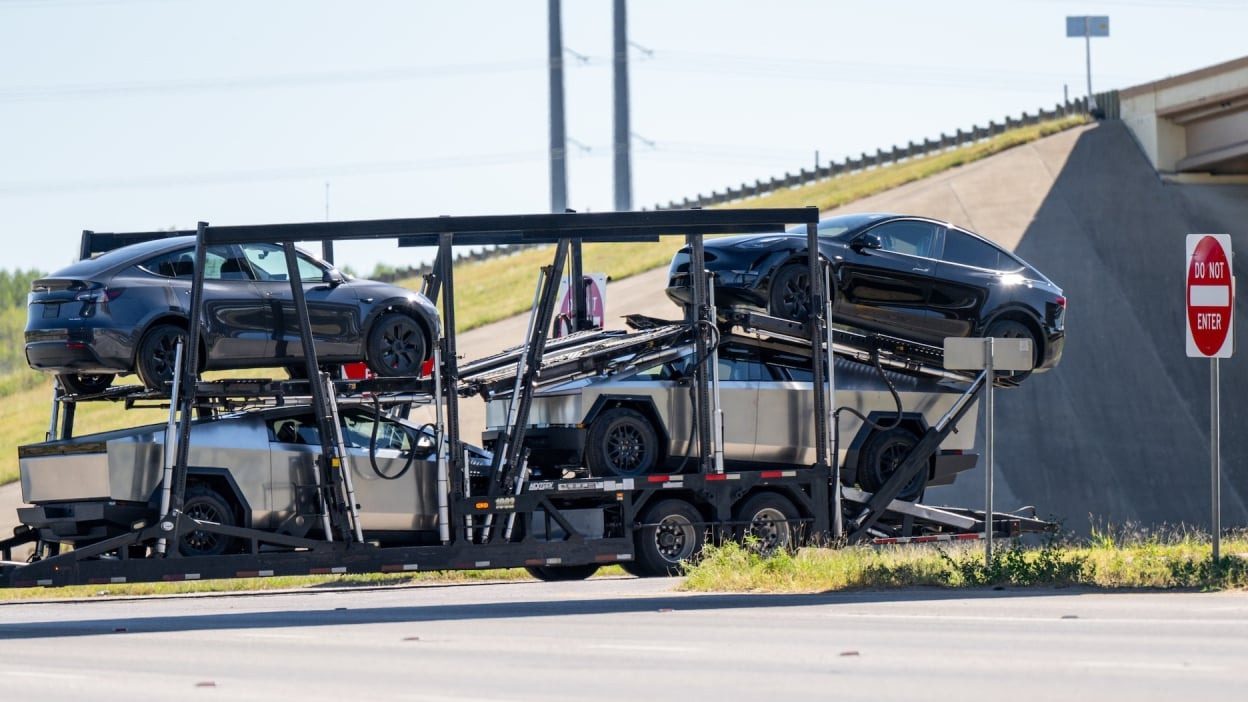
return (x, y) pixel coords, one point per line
(1086, 26)
(1210, 302)
(990, 355)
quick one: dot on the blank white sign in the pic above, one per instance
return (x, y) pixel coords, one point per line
(1007, 354)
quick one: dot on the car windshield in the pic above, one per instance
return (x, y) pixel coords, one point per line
(835, 227)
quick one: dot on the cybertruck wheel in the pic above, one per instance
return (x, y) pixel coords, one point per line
(155, 360)
(882, 455)
(396, 346)
(85, 383)
(789, 294)
(207, 505)
(621, 444)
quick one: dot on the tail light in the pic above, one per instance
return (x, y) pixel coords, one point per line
(99, 295)
(1061, 301)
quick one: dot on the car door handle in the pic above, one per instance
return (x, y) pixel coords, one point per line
(920, 269)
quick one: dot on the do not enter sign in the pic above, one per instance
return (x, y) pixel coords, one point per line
(1210, 296)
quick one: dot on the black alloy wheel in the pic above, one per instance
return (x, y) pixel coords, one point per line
(156, 359)
(789, 294)
(206, 505)
(621, 443)
(396, 346)
(882, 455)
(85, 383)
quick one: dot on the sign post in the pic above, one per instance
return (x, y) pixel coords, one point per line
(990, 355)
(1087, 26)
(1210, 302)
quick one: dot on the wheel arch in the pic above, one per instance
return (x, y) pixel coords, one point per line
(176, 319)
(428, 327)
(1027, 317)
(221, 481)
(644, 404)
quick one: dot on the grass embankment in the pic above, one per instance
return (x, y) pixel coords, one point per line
(1153, 562)
(493, 289)
(294, 582)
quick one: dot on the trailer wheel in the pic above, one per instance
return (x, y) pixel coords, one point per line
(558, 573)
(882, 455)
(621, 443)
(207, 505)
(671, 537)
(769, 523)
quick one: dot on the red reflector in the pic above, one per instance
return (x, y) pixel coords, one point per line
(356, 371)
(657, 479)
(716, 476)
(426, 368)
(1061, 301)
(771, 474)
(75, 345)
(954, 452)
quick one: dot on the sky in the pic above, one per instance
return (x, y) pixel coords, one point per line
(135, 115)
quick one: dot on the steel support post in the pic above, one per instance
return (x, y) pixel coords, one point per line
(171, 432)
(701, 374)
(989, 427)
(190, 374)
(820, 355)
(576, 291)
(330, 462)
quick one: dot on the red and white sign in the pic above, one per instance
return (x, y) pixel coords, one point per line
(1210, 296)
(595, 303)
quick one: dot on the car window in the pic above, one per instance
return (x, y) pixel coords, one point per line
(358, 431)
(787, 366)
(218, 264)
(965, 249)
(294, 430)
(269, 263)
(907, 237)
(741, 364)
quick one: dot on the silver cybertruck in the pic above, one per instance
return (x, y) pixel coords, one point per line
(638, 419)
(253, 468)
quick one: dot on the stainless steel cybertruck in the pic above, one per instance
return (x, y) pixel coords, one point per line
(636, 418)
(253, 468)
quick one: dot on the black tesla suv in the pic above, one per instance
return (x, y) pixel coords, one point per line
(124, 311)
(911, 277)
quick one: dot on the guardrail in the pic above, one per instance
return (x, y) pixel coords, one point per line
(849, 165)
(880, 157)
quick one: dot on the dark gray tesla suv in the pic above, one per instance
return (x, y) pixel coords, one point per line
(124, 311)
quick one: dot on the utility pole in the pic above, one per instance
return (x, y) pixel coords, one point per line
(623, 163)
(558, 140)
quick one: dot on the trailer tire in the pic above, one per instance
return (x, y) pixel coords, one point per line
(672, 536)
(769, 523)
(206, 504)
(882, 454)
(621, 444)
(560, 573)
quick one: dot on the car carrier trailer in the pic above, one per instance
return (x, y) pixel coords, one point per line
(558, 529)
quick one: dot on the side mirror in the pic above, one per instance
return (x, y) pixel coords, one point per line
(424, 445)
(866, 241)
(332, 277)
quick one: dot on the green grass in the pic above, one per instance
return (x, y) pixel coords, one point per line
(298, 582)
(1165, 562)
(493, 289)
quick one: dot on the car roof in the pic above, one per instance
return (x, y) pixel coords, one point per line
(121, 257)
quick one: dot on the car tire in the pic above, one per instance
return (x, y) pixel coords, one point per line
(205, 504)
(621, 444)
(881, 455)
(155, 360)
(562, 573)
(1013, 329)
(396, 346)
(768, 522)
(85, 383)
(788, 296)
(672, 536)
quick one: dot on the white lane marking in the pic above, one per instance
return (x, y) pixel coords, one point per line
(1140, 665)
(1056, 617)
(41, 674)
(645, 647)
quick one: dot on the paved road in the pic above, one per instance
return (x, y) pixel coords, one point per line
(627, 639)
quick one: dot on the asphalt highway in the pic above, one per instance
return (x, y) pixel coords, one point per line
(628, 639)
